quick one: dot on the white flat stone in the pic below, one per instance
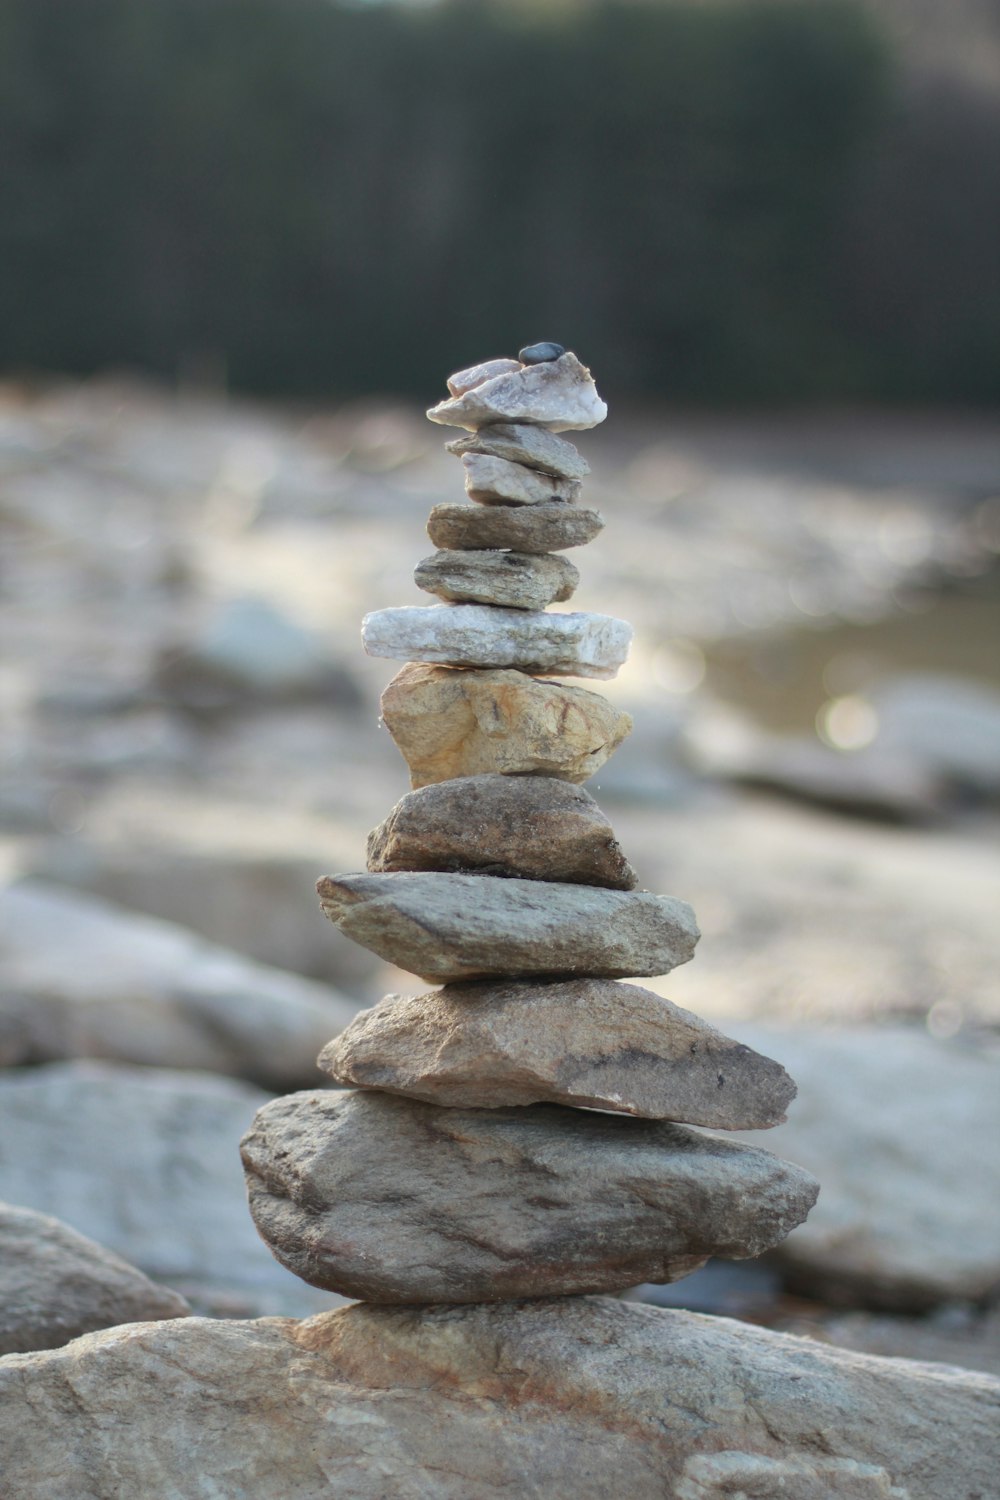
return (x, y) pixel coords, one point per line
(494, 481)
(488, 369)
(559, 395)
(481, 635)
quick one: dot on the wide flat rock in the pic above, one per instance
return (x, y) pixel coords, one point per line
(479, 635)
(448, 723)
(392, 1200)
(452, 927)
(528, 827)
(523, 444)
(570, 1399)
(498, 481)
(902, 1130)
(517, 580)
(589, 1042)
(559, 395)
(551, 527)
(56, 1284)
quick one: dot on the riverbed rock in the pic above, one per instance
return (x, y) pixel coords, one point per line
(497, 481)
(588, 1042)
(56, 1284)
(572, 1399)
(523, 444)
(528, 827)
(551, 527)
(451, 927)
(487, 369)
(448, 723)
(517, 580)
(559, 394)
(391, 1200)
(479, 635)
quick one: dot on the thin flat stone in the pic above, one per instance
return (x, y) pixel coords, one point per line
(525, 528)
(559, 394)
(448, 723)
(524, 444)
(482, 635)
(488, 369)
(454, 927)
(520, 827)
(587, 1042)
(395, 1201)
(497, 481)
(515, 580)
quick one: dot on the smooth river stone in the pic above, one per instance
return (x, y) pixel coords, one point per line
(447, 723)
(559, 395)
(587, 1042)
(523, 444)
(497, 481)
(453, 927)
(488, 369)
(520, 827)
(394, 1201)
(515, 580)
(526, 528)
(484, 635)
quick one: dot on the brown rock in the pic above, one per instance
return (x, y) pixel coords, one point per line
(494, 481)
(447, 722)
(518, 580)
(394, 1201)
(551, 527)
(448, 927)
(588, 1042)
(523, 444)
(527, 827)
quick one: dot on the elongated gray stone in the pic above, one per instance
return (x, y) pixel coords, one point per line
(521, 827)
(515, 580)
(523, 444)
(467, 380)
(481, 635)
(559, 394)
(526, 528)
(497, 481)
(589, 1042)
(449, 927)
(394, 1201)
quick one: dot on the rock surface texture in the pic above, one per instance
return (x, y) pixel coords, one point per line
(498, 481)
(474, 635)
(537, 528)
(522, 444)
(559, 394)
(518, 580)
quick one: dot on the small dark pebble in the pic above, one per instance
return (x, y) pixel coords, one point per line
(539, 354)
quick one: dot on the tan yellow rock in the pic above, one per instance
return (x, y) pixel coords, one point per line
(447, 722)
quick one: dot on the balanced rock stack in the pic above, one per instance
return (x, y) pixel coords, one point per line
(513, 1133)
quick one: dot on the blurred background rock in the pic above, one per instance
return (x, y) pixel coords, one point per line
(242, 243)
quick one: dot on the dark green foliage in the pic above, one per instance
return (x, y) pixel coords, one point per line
(336, 198)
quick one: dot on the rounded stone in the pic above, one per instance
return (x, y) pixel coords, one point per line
(540, 354)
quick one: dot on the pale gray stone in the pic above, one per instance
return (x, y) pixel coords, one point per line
(487, 369)
(524, 444)
(589, 1042)
(559, 394)
(516, 580)
(526, 827)
(479, 635)
(526, 528)
(450, 927)
(497, 481)
(571, 1399)
(56, 1284)
(392, 1200)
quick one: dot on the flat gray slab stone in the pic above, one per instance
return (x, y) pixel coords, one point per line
(589, 1042)
(391, 1200)
(569, 1399)
(526, 827)
(452, 927)
(551, 527)
(497, 481)
(56, 1284)
(521, 443)
(559, 395)
(517, 580)
(902, 1130)
(478, 635)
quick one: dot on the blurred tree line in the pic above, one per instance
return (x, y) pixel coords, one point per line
(740, 201)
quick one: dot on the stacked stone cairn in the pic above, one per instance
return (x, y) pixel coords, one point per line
(514, 1133)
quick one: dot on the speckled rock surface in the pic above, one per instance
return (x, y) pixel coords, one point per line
(527, 528)
(517, 580)
(478, 635)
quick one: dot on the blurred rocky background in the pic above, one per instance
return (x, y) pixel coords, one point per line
(242, 244)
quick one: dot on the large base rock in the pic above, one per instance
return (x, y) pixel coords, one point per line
(579, 1399)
